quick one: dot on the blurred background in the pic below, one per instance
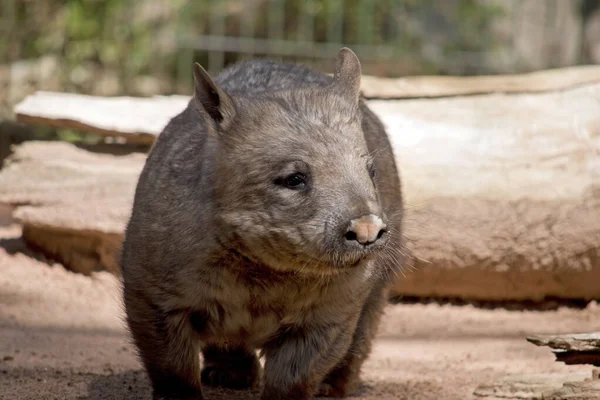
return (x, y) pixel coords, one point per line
(146, 47)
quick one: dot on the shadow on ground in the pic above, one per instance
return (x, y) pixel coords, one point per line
(125, 385)
(135, 385)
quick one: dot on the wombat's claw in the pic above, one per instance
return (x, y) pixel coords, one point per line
(160, 397)
(329, 390)
(227, 377)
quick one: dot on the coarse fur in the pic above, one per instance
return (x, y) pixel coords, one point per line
(224, 254)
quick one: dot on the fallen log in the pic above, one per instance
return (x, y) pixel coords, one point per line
(73, 203)
(502, 190)
(446, 86)
(138, 120)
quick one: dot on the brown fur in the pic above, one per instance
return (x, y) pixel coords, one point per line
(224, 255)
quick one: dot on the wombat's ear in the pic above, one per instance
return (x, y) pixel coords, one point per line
(211, 98)
(347, 72)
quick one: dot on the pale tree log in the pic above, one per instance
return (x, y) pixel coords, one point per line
(502, 190)
(502, 193)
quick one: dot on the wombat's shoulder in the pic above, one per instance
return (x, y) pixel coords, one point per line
(253, 76)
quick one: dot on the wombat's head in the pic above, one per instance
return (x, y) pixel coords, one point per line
(294, 182)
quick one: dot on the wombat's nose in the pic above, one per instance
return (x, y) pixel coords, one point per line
(366, 230)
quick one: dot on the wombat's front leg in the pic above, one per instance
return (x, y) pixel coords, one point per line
(299, 358)
(167, 348)
(231, 367)
(343, 379)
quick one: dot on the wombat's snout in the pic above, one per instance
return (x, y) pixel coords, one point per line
(366, 230)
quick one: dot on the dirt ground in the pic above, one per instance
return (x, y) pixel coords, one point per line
(62, 337)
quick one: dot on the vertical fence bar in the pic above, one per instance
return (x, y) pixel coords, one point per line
(216, 59)
(514, 8)
(398, 39)
(276, 18)
(9, 18)
(365, 22)
(552, 58)
(276, 21)
(185, 55)
(335, 22)
(248, 24)
(306, 22)
(379, 29)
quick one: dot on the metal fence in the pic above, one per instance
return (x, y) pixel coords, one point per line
(391, 37)
(300, 42)
(453, 36)
(382, 33)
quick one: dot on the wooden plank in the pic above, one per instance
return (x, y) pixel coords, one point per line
(141, 119)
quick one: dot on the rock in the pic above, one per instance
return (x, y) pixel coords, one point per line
(106, 84)
(148, 85)
(538, 29)
(23, 71)
(525, 386)
(27, 75)
(49, 67)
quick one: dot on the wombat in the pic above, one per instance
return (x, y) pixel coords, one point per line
(267, 217)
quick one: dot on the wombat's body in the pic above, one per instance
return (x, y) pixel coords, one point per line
(258, 224)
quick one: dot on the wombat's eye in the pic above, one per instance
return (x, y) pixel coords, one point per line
(372, 171)
(293, 181)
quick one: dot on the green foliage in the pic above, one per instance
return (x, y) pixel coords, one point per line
(116, 35)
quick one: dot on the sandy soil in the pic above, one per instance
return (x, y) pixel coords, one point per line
(62, 337)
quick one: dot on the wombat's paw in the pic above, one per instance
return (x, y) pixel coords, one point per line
(186, 397)
(176, 398)
(327, 389)
(229, 376)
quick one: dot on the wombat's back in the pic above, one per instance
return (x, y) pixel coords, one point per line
(255, 76)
